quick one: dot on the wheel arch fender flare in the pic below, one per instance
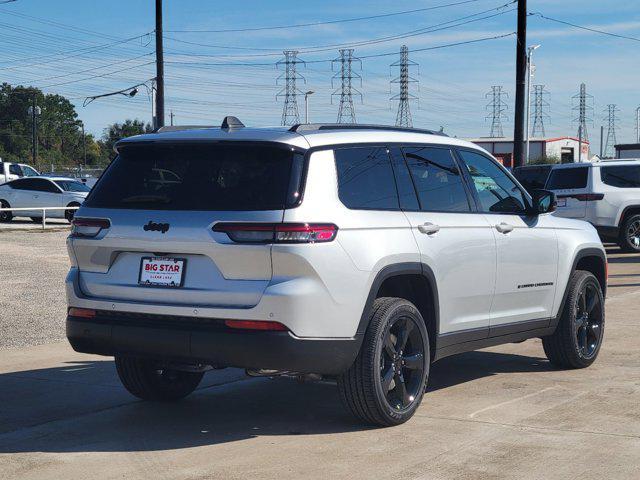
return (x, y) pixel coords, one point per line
(581, 254)
(397, 270)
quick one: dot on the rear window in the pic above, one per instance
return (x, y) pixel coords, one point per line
(532, 178)
(72, 186)
(627, 176)
(568, 178)
(212, 177)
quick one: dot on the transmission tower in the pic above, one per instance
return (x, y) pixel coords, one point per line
(290, 115)
(497, 106)
(611, 118)
(583, 104)
(403, 118)
(540, 106)
(346, 75)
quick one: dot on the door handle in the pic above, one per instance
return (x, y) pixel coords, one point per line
(429, 228)
(504, 227)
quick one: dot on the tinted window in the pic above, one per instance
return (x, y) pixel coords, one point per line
(44, 186)
(406, 190)
(532, 178)
(497, 193)
(437, 179)
(198, 177)
(365, 178)
(23, 184)
(627, 176)
(15, 169)
(566, 178)
(72, 186)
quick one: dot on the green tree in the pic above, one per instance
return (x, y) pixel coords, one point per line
(118, 131)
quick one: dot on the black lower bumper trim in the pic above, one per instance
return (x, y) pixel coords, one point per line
(608, 233)
(107, 335)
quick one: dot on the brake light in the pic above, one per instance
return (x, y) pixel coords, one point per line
(88, 227)
(82, 312)
(588, 197)
(256, 325)
(278, 232)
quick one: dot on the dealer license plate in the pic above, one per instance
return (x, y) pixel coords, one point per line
(562, 202)
(162, 271)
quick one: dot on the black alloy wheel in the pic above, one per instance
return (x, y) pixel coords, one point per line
(588, 321)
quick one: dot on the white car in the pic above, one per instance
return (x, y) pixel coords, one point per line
(39, 192)
(12, 171)
(606, 194)
(360, 253)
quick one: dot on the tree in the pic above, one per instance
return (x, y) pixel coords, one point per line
(118, 131)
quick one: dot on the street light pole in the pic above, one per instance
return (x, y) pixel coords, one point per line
(530, 68)
(306, 105)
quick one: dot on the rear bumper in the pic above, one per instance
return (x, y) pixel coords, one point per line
(207, 341)
(608, 233)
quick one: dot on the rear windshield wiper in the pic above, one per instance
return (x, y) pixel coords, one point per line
(146, 199)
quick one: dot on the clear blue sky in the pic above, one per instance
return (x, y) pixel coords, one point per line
(58, 46)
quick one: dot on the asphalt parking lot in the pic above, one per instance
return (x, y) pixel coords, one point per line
(499, 413)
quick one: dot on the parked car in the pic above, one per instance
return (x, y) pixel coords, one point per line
(11, 171)
(39, 192)
(606, 194)
(532, 177)
(360, 253)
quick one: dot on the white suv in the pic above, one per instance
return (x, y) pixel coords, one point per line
(360, 253)
(606, 194)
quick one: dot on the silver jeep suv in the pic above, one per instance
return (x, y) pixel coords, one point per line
(360, 253)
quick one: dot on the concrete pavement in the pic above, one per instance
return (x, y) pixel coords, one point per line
(500, 413)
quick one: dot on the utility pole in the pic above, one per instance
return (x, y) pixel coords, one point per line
(346, 111)
(159, 68)
(403, 118)
(497, 107)
(171, 117)
(290, 115)
(84, 146)
(521, 74)
(34, 110)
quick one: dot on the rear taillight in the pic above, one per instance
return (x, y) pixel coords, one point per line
(82, 312)
(278, 232)
(586, 197)
(256, 325)
(88, 227)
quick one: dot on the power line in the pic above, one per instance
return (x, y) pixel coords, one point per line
(403, 117)
(582, 27)
(346, 111)
(328, 22)
(497, 107)
(425, 49)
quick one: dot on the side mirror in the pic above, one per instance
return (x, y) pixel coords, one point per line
(544, 201)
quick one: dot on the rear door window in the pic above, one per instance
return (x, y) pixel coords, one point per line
(365, 178)
(626, 176)
(437, 180)
(568, 178)
(207, 177)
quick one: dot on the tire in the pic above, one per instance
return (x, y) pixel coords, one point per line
(378, 389)
(145, 379)
(578, 338)
(629, 240)
(5, 217)
(36, 219)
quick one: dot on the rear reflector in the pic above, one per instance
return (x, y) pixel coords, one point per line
(82, 312)
(255, 325)
(88, 227)
(278, 232)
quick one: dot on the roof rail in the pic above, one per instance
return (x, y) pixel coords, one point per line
(312, 127)
(176, 128)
